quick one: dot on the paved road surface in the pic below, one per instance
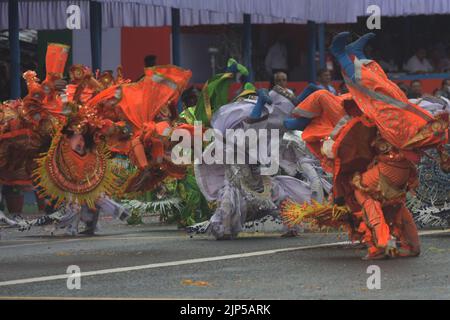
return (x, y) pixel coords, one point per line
(162, 262)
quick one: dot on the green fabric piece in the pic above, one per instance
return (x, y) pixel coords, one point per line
(241, 68)
(215, 91)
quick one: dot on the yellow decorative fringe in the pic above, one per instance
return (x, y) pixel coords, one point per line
(319, 214)
(48, 188)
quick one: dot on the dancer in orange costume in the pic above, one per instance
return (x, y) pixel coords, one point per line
(403, 131)
(374, 154)
(148, 109)
(381, 193)
(98, 115)
(26, 125)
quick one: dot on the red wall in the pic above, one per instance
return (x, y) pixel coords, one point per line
(140, 42)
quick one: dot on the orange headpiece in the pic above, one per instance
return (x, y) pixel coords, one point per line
(55, 60)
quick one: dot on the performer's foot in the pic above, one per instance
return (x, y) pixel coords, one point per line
(374, 253)
(124, 215)
(378, 255)
(290, 234)
(338, 50)
(356, 48)
(338, 44)
(369, 257)
(17, 217)
(198, 228)
(5, 219)
(88, 231)
(391, 249)
(71, 233)
(23, 225)
(405, 251)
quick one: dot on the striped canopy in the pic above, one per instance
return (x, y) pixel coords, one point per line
(46, 14)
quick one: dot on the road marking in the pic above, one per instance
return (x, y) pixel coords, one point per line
(171, 263)
(427, 233)
(189, 261)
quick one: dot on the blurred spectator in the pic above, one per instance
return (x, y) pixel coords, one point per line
(444, 91)
(190, 97)
(445, 63)
(324, 80)
(419, 63)
(280, 78)
(385, 62)
(150, 61)
(277, 57)
(404, 87)
(435, 60)
(416, 90)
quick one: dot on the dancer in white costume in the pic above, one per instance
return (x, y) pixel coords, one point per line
(242, 193)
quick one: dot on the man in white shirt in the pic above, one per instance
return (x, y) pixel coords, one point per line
(418, 63)
(280, 78)
(277, 58)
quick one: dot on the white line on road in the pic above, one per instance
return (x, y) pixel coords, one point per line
(170, 264)
(427, 233)
(189, 261)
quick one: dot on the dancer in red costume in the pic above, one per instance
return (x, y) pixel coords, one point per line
(49, 133)
(373, 154)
